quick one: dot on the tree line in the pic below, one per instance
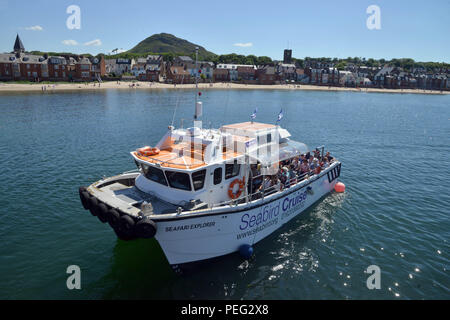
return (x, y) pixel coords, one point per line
(407, 64)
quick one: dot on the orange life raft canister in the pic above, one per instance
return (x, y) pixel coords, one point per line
(148, 151)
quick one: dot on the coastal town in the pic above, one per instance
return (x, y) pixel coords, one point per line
(20, 65)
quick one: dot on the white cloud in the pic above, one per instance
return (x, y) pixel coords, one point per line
(96, 42)
(70, 42)
(34, 28)
(244, 45)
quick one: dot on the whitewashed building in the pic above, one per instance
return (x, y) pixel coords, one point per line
(232, 69)
(119, 66)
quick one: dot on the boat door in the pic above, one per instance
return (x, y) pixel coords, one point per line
(217, 191)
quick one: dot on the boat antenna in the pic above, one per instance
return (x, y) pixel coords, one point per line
(196, 77)
(177, 103)
(198, 111)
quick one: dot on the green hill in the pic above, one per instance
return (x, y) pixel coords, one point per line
(168, 43)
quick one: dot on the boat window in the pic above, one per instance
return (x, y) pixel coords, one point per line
(154, 174)
(232, 170)
(179, 180)
(198, 178)
(218, 176)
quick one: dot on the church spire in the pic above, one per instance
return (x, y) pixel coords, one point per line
(18, 45)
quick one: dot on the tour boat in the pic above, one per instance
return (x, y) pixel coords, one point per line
(201, 193)
(193, 191)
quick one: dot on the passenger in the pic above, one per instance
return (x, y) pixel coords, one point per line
(286, 176)
(317, 167)
(312, 166)
(295, 163)
(293, 175)
(326, 164)
(302, 157)
(266, 184)
(276, 183)
(254, 179)
(317, 153)
(329, 157)
(304, 168)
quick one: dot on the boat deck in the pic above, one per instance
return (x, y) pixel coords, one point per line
(130, 199)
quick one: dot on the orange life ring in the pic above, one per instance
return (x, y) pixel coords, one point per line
(236, 195)
(147, 151)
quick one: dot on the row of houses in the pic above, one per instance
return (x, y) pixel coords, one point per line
(397, 78)
(20, 65)
(184, 70)
(379, 77)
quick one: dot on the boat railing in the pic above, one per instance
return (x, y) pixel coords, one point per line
(261, 193)
(132, 171)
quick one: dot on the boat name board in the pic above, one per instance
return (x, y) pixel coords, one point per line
(191, 226)
(271, 212)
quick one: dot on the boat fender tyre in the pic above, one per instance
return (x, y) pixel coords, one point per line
(93, 206)
(145, 228)
(84, 197)
(126, 225)
(113, 218)
(102, 212)
(121, 235)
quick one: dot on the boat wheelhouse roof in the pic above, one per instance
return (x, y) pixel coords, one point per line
(173, 159)
(185, 155)
(193, 148)
(248, 126)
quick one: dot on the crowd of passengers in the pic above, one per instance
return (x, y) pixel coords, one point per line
(290, 172)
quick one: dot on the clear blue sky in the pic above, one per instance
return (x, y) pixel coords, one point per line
(330, 28)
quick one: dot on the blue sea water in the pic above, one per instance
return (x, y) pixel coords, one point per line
(395, 151)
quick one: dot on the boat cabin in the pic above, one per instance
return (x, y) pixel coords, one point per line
(208, 167)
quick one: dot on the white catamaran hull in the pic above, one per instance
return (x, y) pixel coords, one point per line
(208, 236)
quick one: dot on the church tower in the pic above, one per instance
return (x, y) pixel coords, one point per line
(18, 46)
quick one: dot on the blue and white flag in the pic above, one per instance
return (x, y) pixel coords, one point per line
(280, 116)
(253, 115)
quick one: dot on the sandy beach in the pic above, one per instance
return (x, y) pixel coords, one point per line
(46, 88)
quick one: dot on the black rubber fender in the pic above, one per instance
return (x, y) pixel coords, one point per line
(113, 217)
(102, 212)
(145, 228)
(93, 206)
(121, 235)
(84, 197)
(126, 225)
